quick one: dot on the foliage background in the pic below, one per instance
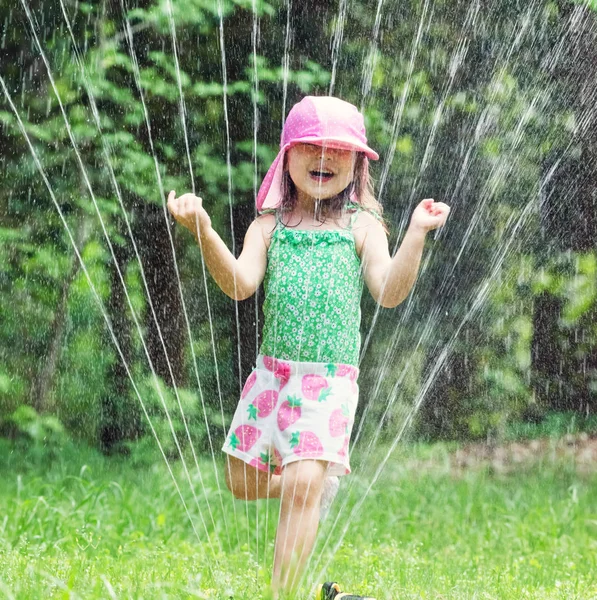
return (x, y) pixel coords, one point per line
(486, 106)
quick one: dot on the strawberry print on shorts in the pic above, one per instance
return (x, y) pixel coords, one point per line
(290, 411)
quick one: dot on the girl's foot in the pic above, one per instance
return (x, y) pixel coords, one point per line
(330, 489)
(331, 591)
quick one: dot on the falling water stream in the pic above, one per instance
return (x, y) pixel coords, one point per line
(121, 278)
(515, 230)
(370, 464)
(97, 297)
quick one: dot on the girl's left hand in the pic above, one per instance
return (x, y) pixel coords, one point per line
(429, 215)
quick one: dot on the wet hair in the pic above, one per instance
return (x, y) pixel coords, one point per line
(360, 188)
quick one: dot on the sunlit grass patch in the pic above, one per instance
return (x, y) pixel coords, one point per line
(85, 526)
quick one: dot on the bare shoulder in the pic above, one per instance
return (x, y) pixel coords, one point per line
(266, 224)
(367, 227)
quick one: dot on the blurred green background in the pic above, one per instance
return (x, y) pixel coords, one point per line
(488, 106)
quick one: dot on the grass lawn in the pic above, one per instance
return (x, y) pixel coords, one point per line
(83, 526)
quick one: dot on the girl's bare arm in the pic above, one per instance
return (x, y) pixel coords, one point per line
(239, 277)
(390, 279)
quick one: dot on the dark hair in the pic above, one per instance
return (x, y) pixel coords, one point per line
(361, 187)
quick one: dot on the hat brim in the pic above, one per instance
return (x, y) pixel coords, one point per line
(339, 143)
(270, 192)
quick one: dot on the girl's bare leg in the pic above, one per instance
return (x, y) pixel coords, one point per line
(248, 483)
(300, 494)
(299, 488)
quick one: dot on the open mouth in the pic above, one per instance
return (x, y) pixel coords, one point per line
(321, 176)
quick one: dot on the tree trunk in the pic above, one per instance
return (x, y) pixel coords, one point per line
(151, 234)
(42, 385)
(119, 412)
(546, 355)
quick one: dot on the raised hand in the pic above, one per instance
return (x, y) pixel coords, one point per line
(188, 211)
(429, 215)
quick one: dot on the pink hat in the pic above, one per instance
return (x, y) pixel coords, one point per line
(320, 120)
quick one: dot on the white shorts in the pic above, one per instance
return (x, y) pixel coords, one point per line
(292, 411)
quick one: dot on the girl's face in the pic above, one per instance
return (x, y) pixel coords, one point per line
(319, 172)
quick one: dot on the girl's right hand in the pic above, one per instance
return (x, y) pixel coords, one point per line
(188, 211)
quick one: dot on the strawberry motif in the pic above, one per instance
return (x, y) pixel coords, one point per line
(348, 371)
(249, 384)
(269, 363)
(279, 368)
(282, 372)
(244, 437)
(339, 420)
(256, 463)
(263, 404)
(268, 461)
(278, 457)
(343, 370)
(306, 443)
(344, 450)
(315, 387)
(289, 412)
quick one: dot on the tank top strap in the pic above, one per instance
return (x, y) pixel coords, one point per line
(355, 210)
(272, 211)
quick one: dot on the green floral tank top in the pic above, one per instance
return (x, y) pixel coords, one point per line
(313, 288)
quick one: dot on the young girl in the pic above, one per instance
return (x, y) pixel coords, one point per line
(318, 236)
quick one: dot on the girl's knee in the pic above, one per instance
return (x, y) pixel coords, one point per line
(303, 485)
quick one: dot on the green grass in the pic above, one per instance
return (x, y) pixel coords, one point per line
(82, 526)
(554, 425)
